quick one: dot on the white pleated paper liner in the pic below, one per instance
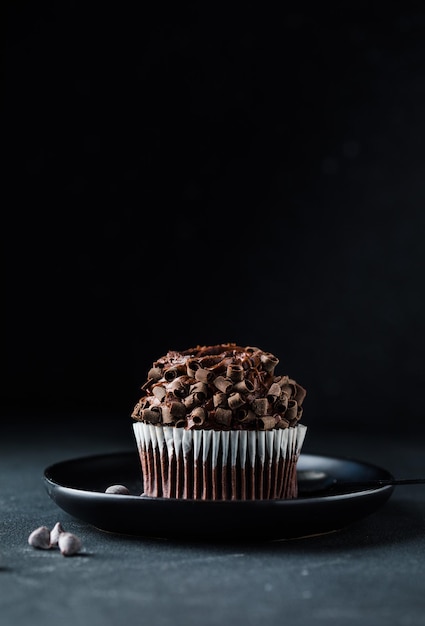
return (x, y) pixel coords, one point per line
(219, 465)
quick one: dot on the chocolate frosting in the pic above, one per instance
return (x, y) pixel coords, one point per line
(220, 387)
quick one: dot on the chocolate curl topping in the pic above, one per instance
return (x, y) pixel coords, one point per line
(269, 362)
(220, 399)
(244, 386)
(223, 416)
(235, 400)
(198, 416)
(246, 362)
(155, 373)
(267, 422)
(192, 365)
(282, 422)
(282, 403)
(191, 424)
(292, 410)
(289, 389)
(300, 393)
(274, 392)
(200, 389)
(178, 410)
(159, 392)
(178, 387)
(167, 417)
(254, 380)
(245, 416)
(223, 384)
(174, 372)
(204, 375)
(234, 387)
(260, 406)
(235, 372)
(153, 415)
(282, 380)
(192, 401)
(211, 361)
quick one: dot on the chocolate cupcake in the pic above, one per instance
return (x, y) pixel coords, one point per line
(215, 422)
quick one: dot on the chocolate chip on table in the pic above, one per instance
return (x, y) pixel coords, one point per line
(43, 538)
(69, 544)
(40, 538)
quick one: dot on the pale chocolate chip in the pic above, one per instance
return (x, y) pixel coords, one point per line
(118, 489)
(69, 544)
(40, 538)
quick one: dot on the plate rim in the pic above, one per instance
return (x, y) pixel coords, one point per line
(48, 480)
(148, 517)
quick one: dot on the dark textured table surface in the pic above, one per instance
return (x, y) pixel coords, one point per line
(371, 572)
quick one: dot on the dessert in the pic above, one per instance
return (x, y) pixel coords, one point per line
(216, 422)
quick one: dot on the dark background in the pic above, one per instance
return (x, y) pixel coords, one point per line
(197, 174)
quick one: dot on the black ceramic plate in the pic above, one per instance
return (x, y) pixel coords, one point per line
(78, 487)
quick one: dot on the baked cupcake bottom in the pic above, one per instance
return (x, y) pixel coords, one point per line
(219, 465)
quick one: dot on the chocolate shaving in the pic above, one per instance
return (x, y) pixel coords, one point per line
(153, 416)
(192, 365)
(155, 373)
(179, 387)
(204, 375)
(178, 409)
(174, 372)
(159, 391)
(274, 392)
(220, 399)
(260, 406)
(267, 422)
(269, 361)
(167, 417)
(223, 384)
(235, 400)
(292, 410)
(223, 416)
(198, 415)
(245, 416)
(282, 422)
(235, 372)
(282, 403)
(192, 401)
(200, 389)
(244, 386)
(300, 393)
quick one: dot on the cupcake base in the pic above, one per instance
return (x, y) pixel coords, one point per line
(219, 465)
